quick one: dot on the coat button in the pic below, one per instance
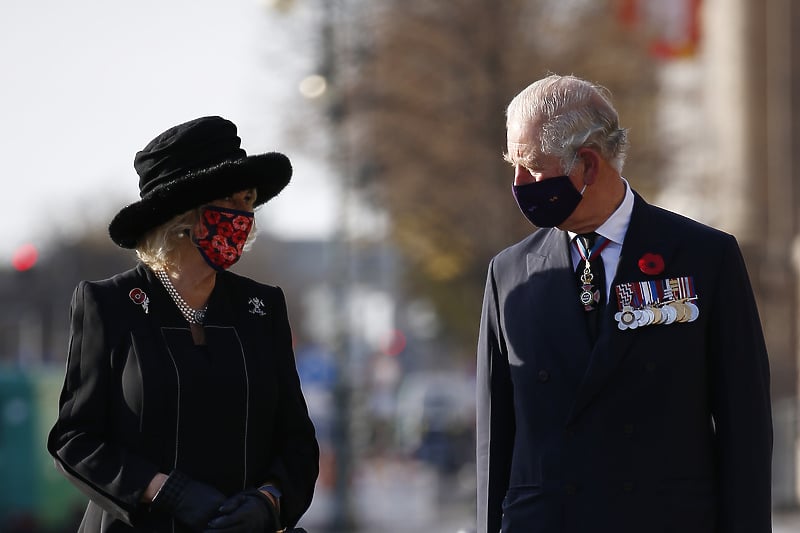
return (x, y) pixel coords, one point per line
(544, 375)
(650, 367)
(571, 489)
(627, 429)
(627, 486)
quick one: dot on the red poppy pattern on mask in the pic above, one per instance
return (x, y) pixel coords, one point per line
(220, 235)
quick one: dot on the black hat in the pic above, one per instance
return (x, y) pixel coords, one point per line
(192, 164)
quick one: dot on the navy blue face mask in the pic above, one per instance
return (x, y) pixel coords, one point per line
(549, 202)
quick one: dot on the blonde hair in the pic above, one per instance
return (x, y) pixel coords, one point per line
(159, 248)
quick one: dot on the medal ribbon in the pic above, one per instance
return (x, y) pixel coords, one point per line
(594, 253)
(637, 300)
(624, 295)
(650, 292)
(685, 287)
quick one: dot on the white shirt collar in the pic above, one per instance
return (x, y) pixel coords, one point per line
(615, 226)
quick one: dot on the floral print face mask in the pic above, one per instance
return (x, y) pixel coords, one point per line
(220, 235)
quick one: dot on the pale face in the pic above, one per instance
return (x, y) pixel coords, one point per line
(241, 201)
(524, 154)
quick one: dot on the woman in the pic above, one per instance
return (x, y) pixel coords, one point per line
(181, 408)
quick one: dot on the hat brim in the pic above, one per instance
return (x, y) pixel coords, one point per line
(267, 173)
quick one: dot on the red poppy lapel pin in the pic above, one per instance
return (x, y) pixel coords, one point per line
(140, 298)
(651, 264)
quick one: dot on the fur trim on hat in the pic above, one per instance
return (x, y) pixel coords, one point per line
(268, 173)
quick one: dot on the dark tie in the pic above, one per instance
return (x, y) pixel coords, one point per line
(591, 278)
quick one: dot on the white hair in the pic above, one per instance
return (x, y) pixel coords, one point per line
(571, 113)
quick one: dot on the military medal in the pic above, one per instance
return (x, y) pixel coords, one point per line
(694, 311)
(658, 316)
(667, 301)
(647, 317)
(590, 295)
(670, 314)
(684, 288)
(645, 292)
(629, 315)
(680, 311)
(628, 318)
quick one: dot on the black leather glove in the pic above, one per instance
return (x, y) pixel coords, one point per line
(190, 502)
(246, 512)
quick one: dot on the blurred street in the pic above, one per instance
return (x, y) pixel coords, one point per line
(394, 496)
(786, 522)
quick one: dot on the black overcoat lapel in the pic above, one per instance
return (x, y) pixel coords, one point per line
(557, 315)
(646, 234)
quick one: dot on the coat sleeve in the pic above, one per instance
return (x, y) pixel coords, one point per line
(495, 413)
(79, 442)
(740, 401)
(297, 460)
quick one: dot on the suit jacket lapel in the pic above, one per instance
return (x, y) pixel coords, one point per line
(645, 235)
(555, 306)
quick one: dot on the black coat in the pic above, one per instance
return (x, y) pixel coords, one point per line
(137, 400)
(659, 429)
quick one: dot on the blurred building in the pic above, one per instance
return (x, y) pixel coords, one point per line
(728, 116)
(752, 84)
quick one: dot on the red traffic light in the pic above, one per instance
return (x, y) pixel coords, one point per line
(395, 344)
(24, 257)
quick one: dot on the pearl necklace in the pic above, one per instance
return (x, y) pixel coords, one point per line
(192, 316)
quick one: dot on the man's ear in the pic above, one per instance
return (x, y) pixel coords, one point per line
(589, 160)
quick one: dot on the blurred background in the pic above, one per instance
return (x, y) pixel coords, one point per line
(392, 112)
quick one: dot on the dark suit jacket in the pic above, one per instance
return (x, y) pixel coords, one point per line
(121, 414)
(660, 429)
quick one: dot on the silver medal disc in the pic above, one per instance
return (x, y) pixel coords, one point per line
(669, 314)
(587, 297)
(693, 310)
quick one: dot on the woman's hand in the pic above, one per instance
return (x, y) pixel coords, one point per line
(190, 502)
(247, 511)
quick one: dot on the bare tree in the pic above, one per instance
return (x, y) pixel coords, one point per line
(421, 103)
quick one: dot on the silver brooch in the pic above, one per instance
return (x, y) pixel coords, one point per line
(256, 306)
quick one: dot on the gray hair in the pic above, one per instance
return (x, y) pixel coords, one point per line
(571, 113)
(160, 247)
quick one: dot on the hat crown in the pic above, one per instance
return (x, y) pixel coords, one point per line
(198, 144)
(192, 164)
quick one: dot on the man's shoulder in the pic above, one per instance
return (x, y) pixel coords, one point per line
(685, 228)
(533, 243)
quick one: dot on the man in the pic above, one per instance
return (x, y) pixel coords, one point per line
(623, 380)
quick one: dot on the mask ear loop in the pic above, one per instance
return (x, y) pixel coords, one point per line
(569, 169)
(580, 145)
